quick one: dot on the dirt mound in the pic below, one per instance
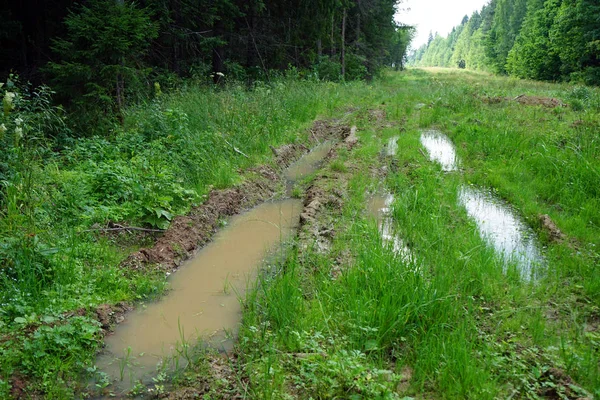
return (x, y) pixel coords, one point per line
(110, 315)
(322, 130)
(549, 102)
(549, 226)
(351, 140)
(285, 155)
(323, 203)
(188, 232)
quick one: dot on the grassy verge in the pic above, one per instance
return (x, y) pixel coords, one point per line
(450, 324)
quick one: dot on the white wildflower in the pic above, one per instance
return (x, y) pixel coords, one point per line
(19, 132)
(9, 97)
(7, 102)
(18, 121)
(220, 74)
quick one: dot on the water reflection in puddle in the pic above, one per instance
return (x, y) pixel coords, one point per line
(498, 225)
(440, 149)
(392, 146)
(380, 208)
(309, 163)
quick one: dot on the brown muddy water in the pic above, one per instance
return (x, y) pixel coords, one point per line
(440, 149)
(204, 301)
(379, 207)
(309, 163)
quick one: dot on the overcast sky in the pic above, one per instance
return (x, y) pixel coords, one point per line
(435, 15)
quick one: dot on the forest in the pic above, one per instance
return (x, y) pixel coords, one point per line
(100, 55)
(551, 40)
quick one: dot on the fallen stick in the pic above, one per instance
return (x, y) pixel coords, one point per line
(124, 228)
(236, 149)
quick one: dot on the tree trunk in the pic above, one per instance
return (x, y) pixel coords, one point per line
(217, 53)
(332, 36)
(343, 54)
(319, 48)
(176, 51)
(357, 23)
(250, 49)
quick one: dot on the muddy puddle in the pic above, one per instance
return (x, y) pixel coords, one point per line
(204, 300)
(440, 149)
(379, 207)
(499, 225)
(309, 163)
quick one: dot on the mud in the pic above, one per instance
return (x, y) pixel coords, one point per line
(204, 300)
(323, 203)
(110, 315)
(147, 325)
(548, 102)
(550, 227)
(190, 232)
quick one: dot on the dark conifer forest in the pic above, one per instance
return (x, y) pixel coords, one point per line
(105, 53)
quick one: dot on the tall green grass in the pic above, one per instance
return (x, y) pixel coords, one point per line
(462, 327)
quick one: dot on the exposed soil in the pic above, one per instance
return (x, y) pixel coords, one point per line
(322, 206)
(18, 386)
(189, 232)
(323, 202)
(549, 102)
(285, 155)
(550, 227)
(563, 386)
(110, 315)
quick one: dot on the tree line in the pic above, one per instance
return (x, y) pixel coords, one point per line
(101, 54)
(535, 39)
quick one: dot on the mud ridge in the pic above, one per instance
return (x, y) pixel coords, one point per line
(187, 233)
(323, 205)
(549, 102)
